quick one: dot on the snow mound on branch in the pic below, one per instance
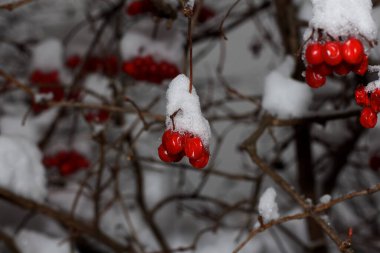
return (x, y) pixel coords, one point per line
(97, 85)
(344, 17)
(268, 208)
(166, 46)
(48, 55)
(21, 170)
(32, 242)
(189, 118)
(283, 96)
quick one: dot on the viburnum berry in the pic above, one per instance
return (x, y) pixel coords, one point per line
(166, 157)
(375, 100)
(97, 116)
(361, 96)
(201, 162)
(193, 147)
(368, 118)
(314, 79)
(72, 62)
(205, 14)
(353, 51)
(40, 77)
(314, 53)
(374, 162)
(332, 53)
(362, 68)
(139, 7)
(173, 142)
(343, 68)
(323, 69)
(67, 162)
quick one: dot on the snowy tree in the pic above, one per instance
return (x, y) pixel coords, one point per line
(150, 126)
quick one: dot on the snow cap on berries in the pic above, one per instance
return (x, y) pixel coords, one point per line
(48, 55)
(166, 46)
(284, 96)
(268, 207)
(189, 118)
(344, 17)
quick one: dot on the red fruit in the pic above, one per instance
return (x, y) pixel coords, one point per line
(50, 161)
(362, 68)
(374, 162)
(205, 14)
(173, 142)
(368, 118)
(314, 79)
(135, 8)
(353, 51)
(110, 65)
(201, 162)
(166, 157)
(67, 169)
(73, 61)
(314, 53)
(193, 147)
(130, 68)
(332, 54)
(375, 100)
(323, 69)
(343, 68)
(361, 96)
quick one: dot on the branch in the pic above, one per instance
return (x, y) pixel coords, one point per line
(14, 5)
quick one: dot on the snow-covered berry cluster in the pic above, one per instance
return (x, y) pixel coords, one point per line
(187, 131)
(147, 69)
(176, 145)
(67, 162)
(324, 58)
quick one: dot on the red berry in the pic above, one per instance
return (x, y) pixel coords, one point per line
(166, 157)
(368, 118)
(362, 68)
(314, 79)
(323, 69)
(375, 100)
(135, 8)
(173, 142)
(129, 68)
(110, 65)
(343, 68)
(374, 162)
(193, 147)
(205, 14)
(73, 61)
(67, 169)
(353, 51)
(361, 96)
(313, 54)
(332, 54)
(201, 162)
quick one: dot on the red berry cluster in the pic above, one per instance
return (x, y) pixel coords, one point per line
(67, 162)
(205, 14)
(175, 146)
(97, 116)
(108, 65)
(47, 82)
(371, 104)
(325, 58)
(139, 7)
(147, 69)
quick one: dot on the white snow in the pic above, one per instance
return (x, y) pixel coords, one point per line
(33, 242)
(190, 118)
(21, 170)
(166, 46)
(41, 97)
(97, 85)
(48, 55)
(344, 17)
(190, 4)
(268, 208)
(325, 199)
(284, 96)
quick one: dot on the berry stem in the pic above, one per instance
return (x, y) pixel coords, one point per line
(173, 116)
(190, 41)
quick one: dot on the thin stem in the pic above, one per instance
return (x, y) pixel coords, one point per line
(190, 41)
